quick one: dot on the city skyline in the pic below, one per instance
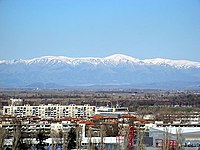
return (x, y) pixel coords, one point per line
(141, 29)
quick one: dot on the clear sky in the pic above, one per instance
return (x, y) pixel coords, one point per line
(98, 28)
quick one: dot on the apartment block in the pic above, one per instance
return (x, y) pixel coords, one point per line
(51, 111)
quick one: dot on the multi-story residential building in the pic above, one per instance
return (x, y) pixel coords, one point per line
(51, 111)
(181, 119)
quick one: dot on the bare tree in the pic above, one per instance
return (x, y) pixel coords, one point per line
(139, 143)
(54, 136)
(78, 137)
(102, 134)
(65, 139)
(179, 139)
(166, 140)
(89, 139)
(2, 137)
(126, 140)
(16, 134)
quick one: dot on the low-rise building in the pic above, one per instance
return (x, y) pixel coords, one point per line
(185, 136)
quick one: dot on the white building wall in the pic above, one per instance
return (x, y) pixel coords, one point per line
(51, 111)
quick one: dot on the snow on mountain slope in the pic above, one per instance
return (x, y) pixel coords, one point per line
(117, 69)
(173, 63)
(114, 59)
(119, 58)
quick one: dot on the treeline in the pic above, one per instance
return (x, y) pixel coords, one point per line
(107, 99)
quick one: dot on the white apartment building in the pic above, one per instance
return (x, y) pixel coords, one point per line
(51, 111)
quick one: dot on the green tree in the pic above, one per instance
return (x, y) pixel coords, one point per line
(72, 139)
(41, 137)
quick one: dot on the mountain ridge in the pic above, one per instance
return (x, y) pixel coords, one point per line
(116, 58)
(118, 69)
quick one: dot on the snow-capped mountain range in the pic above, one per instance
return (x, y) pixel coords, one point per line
(118, 69)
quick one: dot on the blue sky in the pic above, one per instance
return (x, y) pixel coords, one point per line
(98, 28)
